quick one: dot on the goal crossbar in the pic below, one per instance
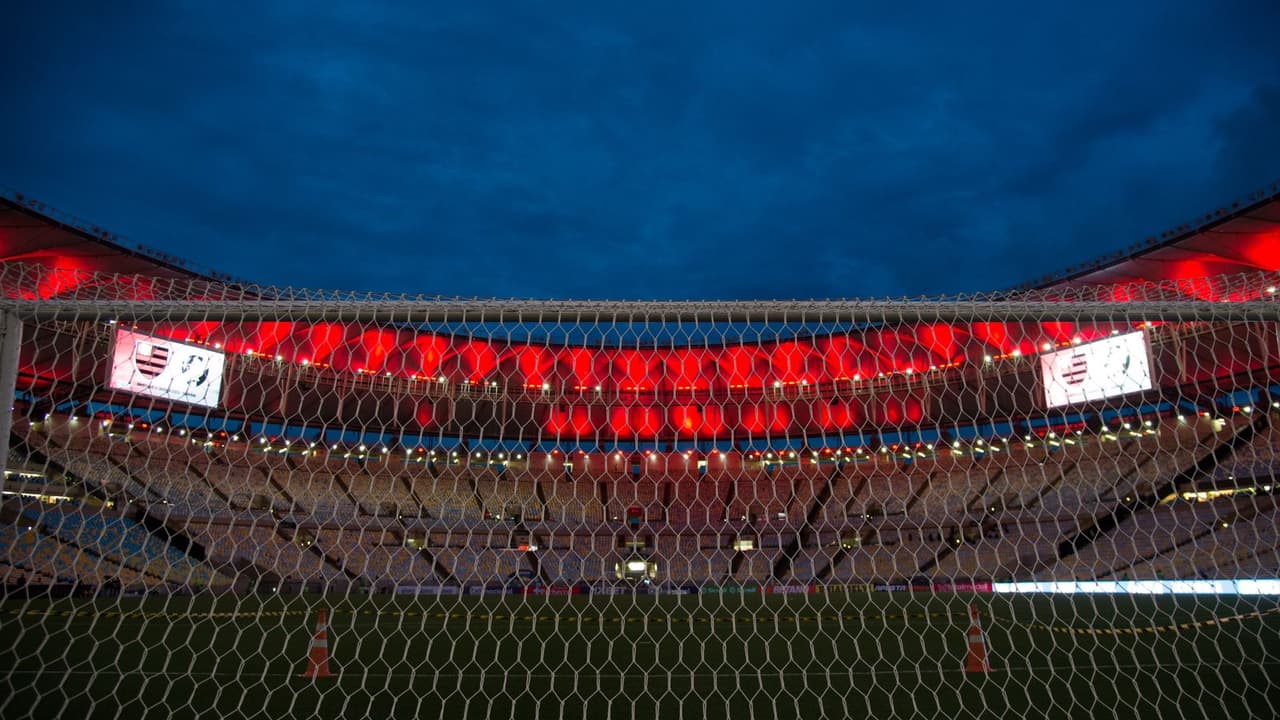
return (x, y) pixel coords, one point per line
(482, 311)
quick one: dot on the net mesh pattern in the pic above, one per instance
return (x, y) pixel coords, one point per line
(236, 501)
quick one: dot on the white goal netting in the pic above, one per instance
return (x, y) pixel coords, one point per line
(228, 501)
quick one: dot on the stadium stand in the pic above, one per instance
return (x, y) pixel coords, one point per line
(953, 517)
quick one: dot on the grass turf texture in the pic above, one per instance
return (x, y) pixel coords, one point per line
(825, 655)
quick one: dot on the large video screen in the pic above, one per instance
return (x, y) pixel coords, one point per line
(166, 369)
(1105, 368)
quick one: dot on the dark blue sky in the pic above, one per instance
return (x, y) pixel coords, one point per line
(734, 151)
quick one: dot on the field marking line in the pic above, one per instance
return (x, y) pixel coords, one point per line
(505, 676)
(1131, 630)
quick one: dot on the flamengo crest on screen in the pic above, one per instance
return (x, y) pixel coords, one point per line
(1113, 366)
(166, 369)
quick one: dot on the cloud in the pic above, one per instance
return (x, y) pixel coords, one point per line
(732, 151)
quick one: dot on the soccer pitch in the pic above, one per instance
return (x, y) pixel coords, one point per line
(713, 656)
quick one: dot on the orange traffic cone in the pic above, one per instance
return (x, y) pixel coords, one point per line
(976, 660)
(318, 656)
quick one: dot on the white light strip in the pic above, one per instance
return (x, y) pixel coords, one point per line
(1253, 586)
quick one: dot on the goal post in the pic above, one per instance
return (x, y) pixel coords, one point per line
(222, 500)
(10, 344)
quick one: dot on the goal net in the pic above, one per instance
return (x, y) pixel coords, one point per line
(231, 501)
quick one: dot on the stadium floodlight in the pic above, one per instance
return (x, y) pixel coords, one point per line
(1079, 489)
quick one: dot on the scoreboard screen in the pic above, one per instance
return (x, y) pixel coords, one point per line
(166, 369)
(1105, 368)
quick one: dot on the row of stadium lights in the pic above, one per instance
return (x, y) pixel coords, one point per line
(313, 448)
(905, 450)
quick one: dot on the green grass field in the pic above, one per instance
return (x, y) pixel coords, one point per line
(857, 655)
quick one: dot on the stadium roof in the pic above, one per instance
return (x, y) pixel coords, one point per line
(32, 232)
(1241, 237)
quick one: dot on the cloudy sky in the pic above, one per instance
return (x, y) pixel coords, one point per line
(737, 150)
